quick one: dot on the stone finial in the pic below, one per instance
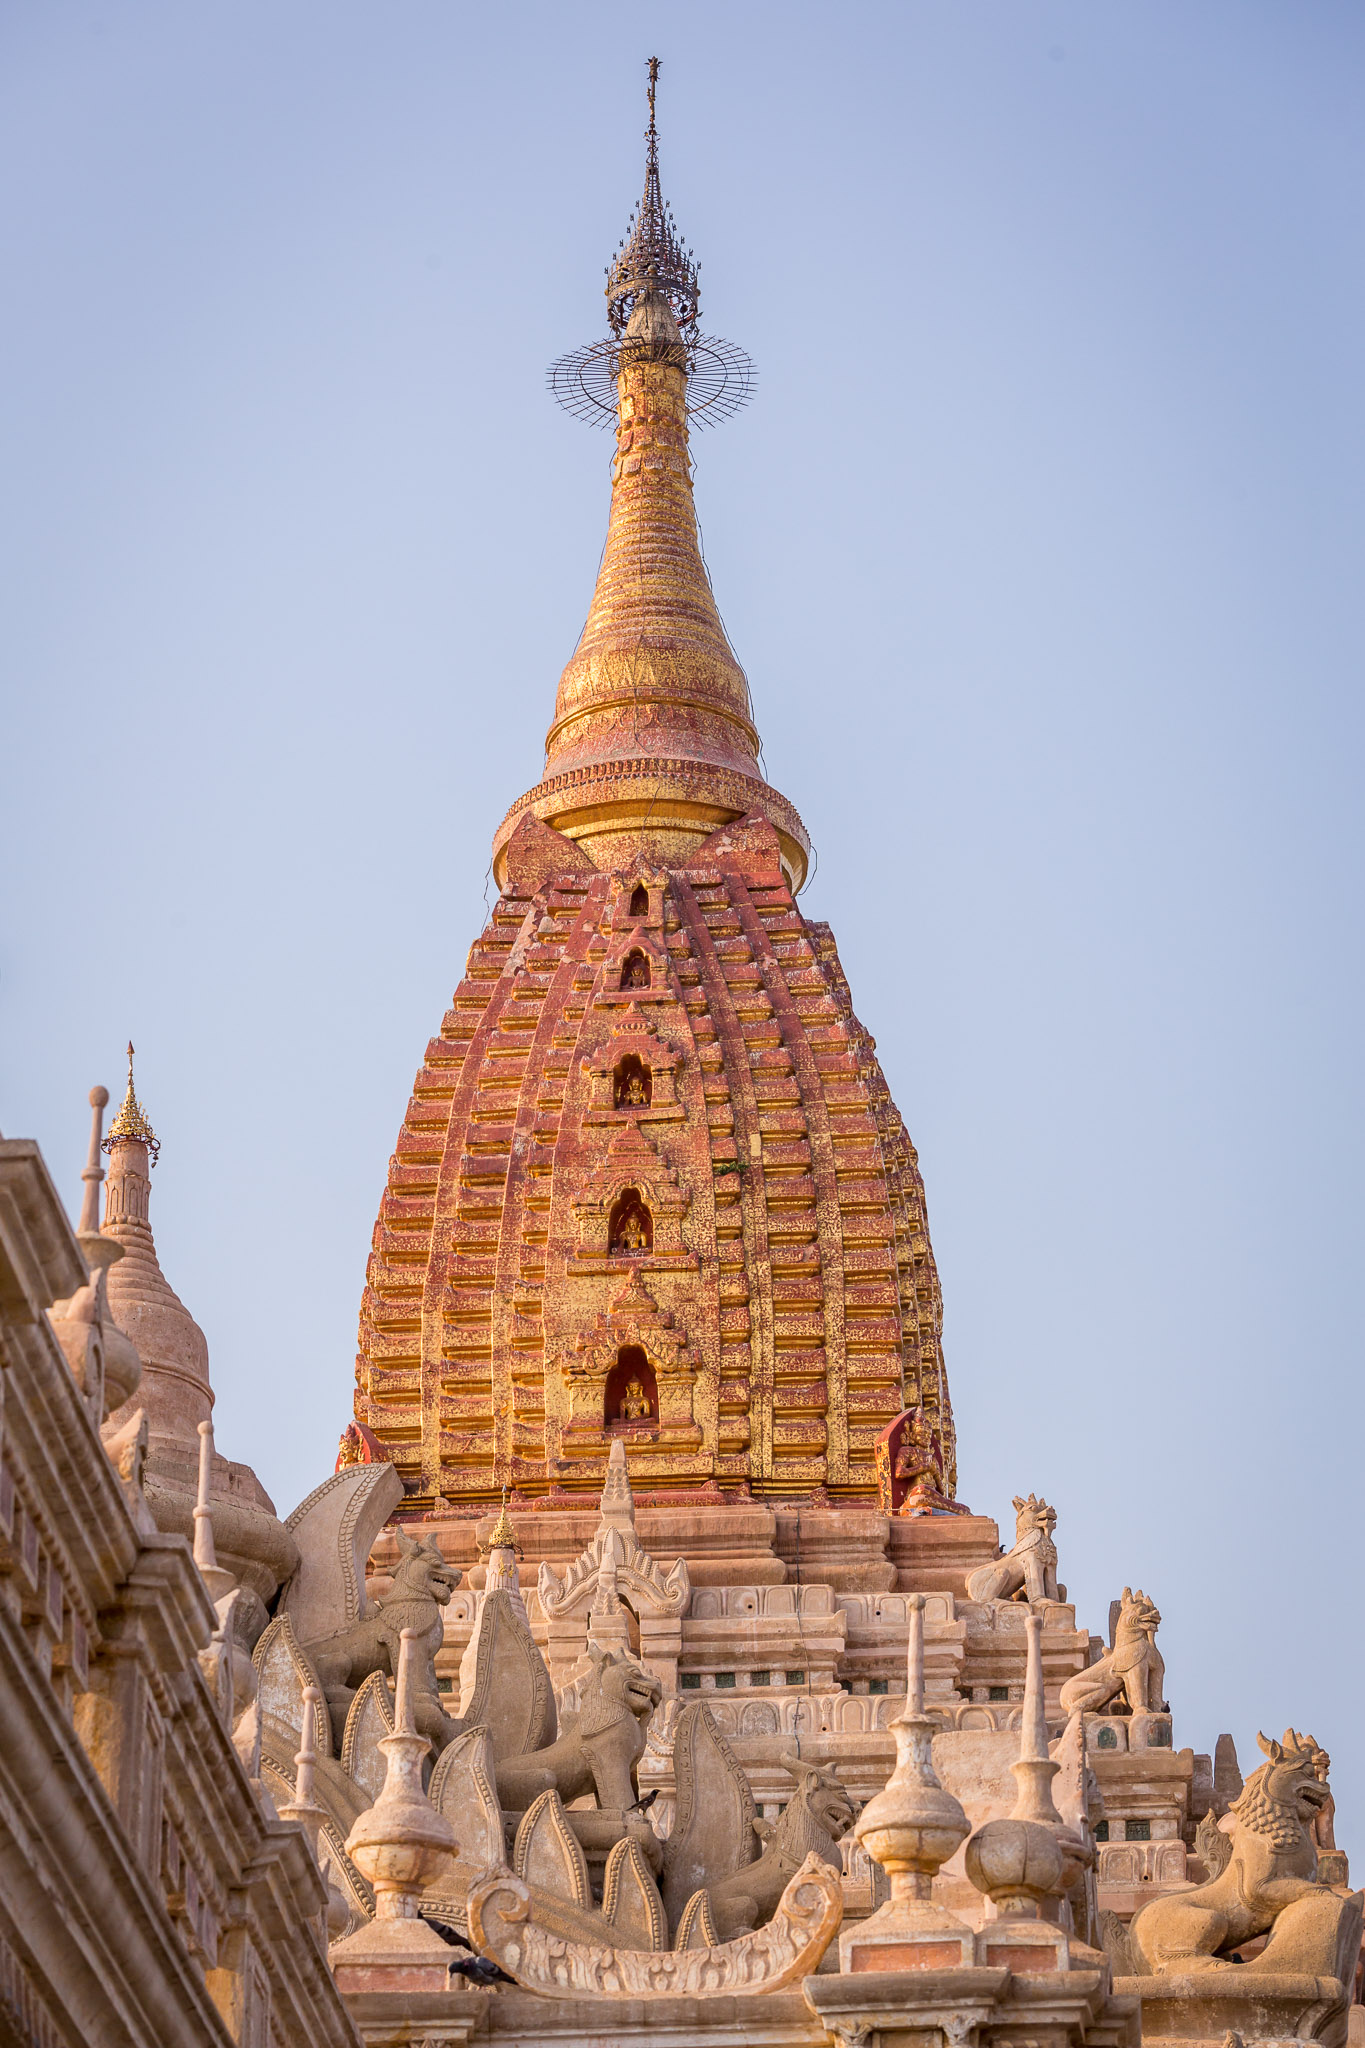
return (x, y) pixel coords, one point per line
(618, 1502)
(204, 1554)
(400, 1841)
(305, 1811)
(1035, 1770)
(303, 1807)
(399, 1845)
(1032, 1856)
(910, 1828)
(218, 1581)
(93, 1173)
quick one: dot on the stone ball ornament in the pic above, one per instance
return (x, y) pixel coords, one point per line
(1017, 1864)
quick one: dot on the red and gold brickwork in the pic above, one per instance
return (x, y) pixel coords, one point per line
(788, 1305)
(651, 1181)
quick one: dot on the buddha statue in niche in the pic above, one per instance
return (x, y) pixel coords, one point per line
(631, 1233)
(633, 1084)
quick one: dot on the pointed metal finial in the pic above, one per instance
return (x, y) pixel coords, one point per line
(653, 258)
(653, 294)
(503, 1535)
(131, 1121)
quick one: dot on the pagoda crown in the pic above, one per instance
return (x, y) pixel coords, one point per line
(653, 745)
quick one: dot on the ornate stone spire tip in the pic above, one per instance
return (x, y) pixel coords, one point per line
(503, 1536)
(131, 1122)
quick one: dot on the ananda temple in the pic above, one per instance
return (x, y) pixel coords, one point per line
(638, 1674)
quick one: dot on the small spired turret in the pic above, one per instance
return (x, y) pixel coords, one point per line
(175, 1388)
(104, 1364)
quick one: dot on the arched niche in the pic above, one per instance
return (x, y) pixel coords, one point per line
(631, 1396)
(635, 970)
(632, 1083)
(639, 901)
(630, 1228)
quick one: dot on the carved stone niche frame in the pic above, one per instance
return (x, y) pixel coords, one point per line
(622, 914)
(628, 941)
(633, 1037)
(631, 1162)
(634, 1321)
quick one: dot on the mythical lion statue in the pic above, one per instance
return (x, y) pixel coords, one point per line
(1267, 1882)
(1134, 1667)
(422, 1586)
(1030, 1569)
(599, 1749)
(810, 1825)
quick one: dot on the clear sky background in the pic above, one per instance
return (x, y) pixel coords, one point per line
(1041, 545)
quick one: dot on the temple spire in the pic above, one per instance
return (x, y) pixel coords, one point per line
(653, 746)
(131, 1121)
(651, 257)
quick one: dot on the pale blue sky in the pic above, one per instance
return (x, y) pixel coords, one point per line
(1041, 545)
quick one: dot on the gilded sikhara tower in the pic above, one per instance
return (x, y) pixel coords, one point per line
(651, 1183)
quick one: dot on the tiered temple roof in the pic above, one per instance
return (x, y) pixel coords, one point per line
(648, 1024)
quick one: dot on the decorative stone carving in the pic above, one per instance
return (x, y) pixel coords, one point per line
(422, 1585)
(630, 1899)
(175, 1387)
(503, 1924)
(633, 1038)
(547, 1855)
(505, 1685)
(284, 1675)
(910, 1828)
(335, 1529)
(811, 1824)
(634, 1319)
(398, 1844)
(631, 1161)
(1027, 1862)
(1030, 1568)
(304, 1809)
(464, 1789)
(714, 1832)
(1134, 1667)
(910, 1463)
(599, 1752)
(587, 1595)
(1212, 1845)
(1267, 1883)
(369, 1721)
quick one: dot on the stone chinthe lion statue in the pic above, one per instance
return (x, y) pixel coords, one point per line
(422, 1585)
(811, 1824)
(1134, 1667)
(1030, 1568)
(599, 1749)
(1268, 1882)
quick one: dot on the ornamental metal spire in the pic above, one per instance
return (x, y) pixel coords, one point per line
(651, 256)
(131, 1121)
(653, 296)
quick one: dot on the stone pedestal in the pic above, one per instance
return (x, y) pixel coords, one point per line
(391, 1955)
(961, 2008)
(1261, 2005)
